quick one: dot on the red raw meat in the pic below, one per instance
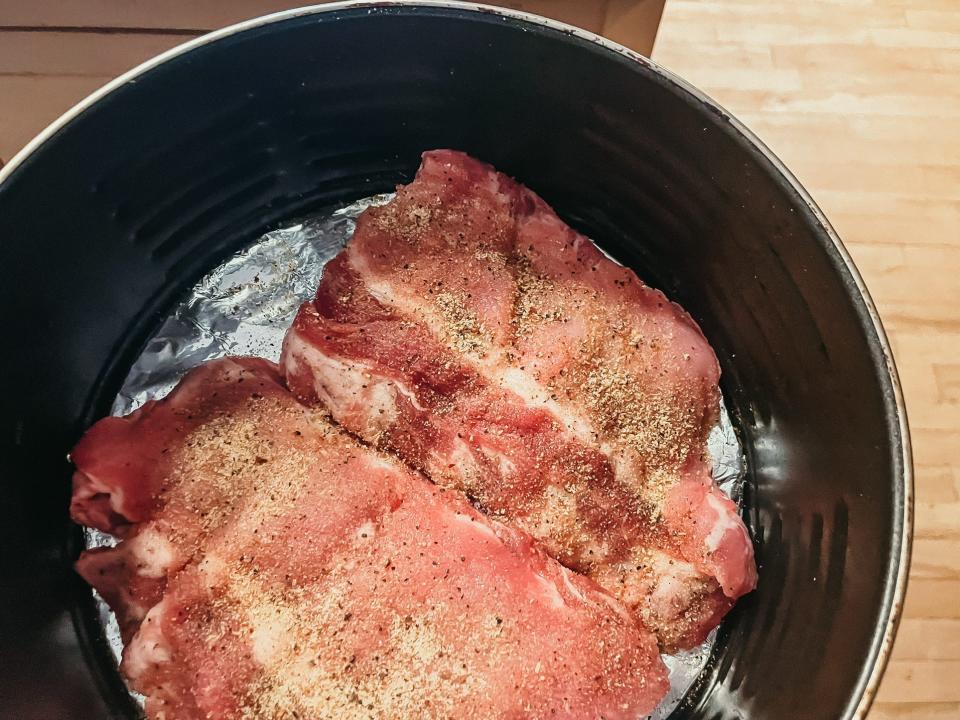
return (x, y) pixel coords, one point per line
(467, 329)
(134, 480)
(304, 575)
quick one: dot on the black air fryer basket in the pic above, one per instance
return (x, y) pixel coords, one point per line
(134, 195)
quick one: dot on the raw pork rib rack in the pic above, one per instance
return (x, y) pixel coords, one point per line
(272, 567)
(468, 330)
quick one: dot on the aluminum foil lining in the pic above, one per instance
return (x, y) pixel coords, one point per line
(244, 307)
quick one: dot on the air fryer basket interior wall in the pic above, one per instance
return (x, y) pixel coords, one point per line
(120, 208)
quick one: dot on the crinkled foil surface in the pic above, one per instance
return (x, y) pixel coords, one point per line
(245, 306)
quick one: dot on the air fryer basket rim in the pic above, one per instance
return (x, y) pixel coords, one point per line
(863, 694)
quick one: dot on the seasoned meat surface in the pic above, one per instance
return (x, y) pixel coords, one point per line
(468, 330)
(272, 567)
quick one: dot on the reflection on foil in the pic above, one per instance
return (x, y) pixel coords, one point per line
(245, 306)
(728, 465)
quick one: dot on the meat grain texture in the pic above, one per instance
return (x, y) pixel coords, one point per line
(468, 330)
(272, 567)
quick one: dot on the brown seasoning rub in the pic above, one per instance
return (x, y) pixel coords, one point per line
(292, 630)
(623, 381)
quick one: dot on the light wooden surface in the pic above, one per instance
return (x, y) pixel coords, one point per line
(861, 99)
(53, 53)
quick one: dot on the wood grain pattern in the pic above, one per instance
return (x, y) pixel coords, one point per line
(205, 15)
(53, 53)
(861, 99)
